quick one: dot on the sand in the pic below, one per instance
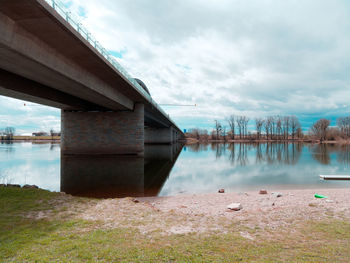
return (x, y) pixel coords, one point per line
(208, 212)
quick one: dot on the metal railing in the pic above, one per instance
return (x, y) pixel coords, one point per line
(59, 7)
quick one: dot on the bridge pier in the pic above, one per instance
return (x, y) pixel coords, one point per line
(120, 132)
(160, 135)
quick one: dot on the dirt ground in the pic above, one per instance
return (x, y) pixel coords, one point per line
(204, 213)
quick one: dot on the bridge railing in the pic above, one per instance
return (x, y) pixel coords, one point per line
(59, 7)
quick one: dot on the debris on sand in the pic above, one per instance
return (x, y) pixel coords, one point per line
(263, 192)
(235, 206)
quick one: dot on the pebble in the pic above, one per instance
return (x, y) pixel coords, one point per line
(135, 200)
(235, 206)
(329, 201)
(221, 191)
(263, 192)
(278, 194)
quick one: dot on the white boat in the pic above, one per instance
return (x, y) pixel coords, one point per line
(335, 177)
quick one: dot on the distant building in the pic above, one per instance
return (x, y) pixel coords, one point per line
(40, 134)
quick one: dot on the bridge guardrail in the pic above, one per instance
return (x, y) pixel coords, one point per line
(59, 7)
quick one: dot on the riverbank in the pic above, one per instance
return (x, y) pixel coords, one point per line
(195, 141)
(37, 225)
(36, 138)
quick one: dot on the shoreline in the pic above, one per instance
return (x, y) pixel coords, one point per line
(198, 228)
(263, 210)
(196, 141)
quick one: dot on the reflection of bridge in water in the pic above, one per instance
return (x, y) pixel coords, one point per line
(118, 176)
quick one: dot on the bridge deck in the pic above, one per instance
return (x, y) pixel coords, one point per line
(43, 45)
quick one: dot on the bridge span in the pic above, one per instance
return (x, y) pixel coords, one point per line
(48, 58)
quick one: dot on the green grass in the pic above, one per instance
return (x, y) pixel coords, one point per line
(69, 240)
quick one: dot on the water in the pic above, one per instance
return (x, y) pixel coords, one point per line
(171, 170)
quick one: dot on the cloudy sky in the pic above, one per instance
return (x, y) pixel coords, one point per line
(255, 57)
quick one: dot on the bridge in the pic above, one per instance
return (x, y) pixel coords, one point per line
(47, 57)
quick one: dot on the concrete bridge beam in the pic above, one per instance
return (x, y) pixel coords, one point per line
(159, 135)
(119, 132)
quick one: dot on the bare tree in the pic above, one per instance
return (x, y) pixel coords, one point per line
(319, 129)
(9, 133)
(278, 120)
(299, 133)
(294, 125)
(344, 125)
(52, 133)
(245, 121)
(259, 122)
(239, 121)
(218, 129)
(224, 133)
(286, 127)
(268, 127)
(231, 123)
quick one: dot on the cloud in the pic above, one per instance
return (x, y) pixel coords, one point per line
(255, 58)
(28, 117)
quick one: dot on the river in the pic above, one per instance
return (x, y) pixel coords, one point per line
(171, 170)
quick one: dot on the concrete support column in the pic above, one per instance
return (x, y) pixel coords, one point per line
(103, 132)
(159, 135)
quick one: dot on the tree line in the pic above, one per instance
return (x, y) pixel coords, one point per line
(7, 134)
(272, 128)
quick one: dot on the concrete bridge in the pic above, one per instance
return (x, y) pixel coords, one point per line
(48, 58)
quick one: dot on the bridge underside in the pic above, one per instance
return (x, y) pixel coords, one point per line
(121, 132)
(88, 128)
(44, 60)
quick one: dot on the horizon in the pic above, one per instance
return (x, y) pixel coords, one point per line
(256, 59)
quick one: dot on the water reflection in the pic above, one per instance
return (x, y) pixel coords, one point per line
(320, 152)
(168, 170)
(343, 156)
(7, 146)
(272, 153)
(118, 176)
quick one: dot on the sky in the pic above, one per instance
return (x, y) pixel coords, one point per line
(255, 58)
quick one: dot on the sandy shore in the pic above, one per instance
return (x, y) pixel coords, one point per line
(253, 201)
(261, 210)
(209, 212)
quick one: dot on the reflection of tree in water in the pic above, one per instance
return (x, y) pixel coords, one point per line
(220, 149)
(7, 146)
(53, 146)
(242, 157)
(259, 154)
(231, 148)
(270, 153)
(320, 153)
(197, 147)
(279, 153)
(193, 147)
(343, 155)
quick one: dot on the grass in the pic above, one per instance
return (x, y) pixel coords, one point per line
(23, 239)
